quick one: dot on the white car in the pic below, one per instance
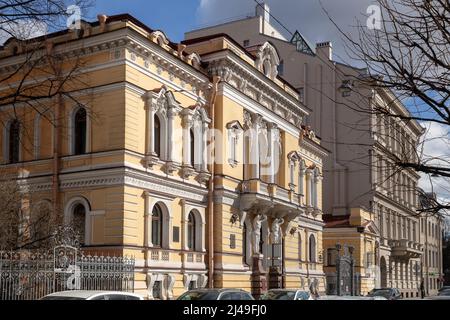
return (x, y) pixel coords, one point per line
(92, 295)
(286, 294)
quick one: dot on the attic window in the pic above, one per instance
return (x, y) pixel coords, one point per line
(246, 43)
(301, 44)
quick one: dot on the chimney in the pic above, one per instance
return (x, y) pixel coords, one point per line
(325, 49)
(263, 10)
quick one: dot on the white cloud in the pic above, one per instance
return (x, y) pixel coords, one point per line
(305, 15)
(436, 151)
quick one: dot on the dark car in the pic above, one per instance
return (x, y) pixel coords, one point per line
(388, 293)
(442, 295)
(444, 288)
(216, 294)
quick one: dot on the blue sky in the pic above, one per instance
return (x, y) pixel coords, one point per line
(174, 17)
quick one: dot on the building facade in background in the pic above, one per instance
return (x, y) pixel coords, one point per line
(432, 233)
(127, 158)
(360, 172)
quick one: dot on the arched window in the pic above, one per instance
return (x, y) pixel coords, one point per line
(312, 248)
(14, 141)
(157, 135)
(157, 226)
(80, 128)
(191, 231)
(192, 147)
(79, 221)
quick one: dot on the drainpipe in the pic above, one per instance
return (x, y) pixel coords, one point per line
(55, 178)
(59, 107)
(212, 102)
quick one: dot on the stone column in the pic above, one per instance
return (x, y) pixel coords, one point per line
(301, 184)
(254, 143)
(147, 221)
(204, 165)
(309, 185)
(274, 136)
(316, 181)
(172, 112)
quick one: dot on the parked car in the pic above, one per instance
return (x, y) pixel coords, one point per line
(442, 295)
(444, 288)
(334, 297)
(92, 295)
(388, 293)
(216, 294)
(286, 294)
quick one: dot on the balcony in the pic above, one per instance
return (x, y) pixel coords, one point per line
(405, 249)
(194, 260)
(163, 258)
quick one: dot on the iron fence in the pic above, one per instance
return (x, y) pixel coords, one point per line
(30, 275)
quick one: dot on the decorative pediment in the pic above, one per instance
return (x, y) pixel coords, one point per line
(195, 60)
(294, 156)
(371, 227)
(235, 125)
(161, 99)
(160, 38)
(267, 60)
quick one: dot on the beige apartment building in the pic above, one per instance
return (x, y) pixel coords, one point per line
(431, 234)
(359, 172)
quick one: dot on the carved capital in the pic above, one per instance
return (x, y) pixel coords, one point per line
(151, 160)
(171, 167)
(187, 172)
(203, 177)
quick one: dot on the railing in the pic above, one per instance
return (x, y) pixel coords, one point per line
(30, 275)
(159, 255)
(194, 257)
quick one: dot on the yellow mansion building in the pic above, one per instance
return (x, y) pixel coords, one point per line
(191, 157)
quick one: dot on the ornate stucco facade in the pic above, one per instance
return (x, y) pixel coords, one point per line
(359, 173)
(129, 150)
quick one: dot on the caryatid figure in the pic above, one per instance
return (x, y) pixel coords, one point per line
(256, 224)
(276, 230)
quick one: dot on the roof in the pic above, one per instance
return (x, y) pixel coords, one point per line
(336, 221)
(237, 44)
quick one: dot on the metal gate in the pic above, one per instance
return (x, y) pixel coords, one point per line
(345, 281)
(30, 275)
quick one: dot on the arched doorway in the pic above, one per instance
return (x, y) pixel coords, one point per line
(383, 273)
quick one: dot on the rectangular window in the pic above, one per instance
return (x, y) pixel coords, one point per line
(157, 290)
(246, 43)
(176, 234)
(232, 241)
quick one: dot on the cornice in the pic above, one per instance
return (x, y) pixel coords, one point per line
(314, 148)
(254, 84)
(130, 41)
(253, 106)
(120, 177)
